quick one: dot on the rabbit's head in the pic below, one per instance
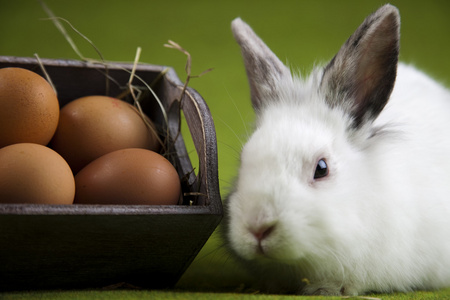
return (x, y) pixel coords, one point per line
(303, 195)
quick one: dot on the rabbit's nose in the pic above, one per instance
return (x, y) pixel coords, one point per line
(260, 235)
(262, 232)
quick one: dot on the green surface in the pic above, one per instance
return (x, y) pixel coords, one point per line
(302, 33)
(169, 295)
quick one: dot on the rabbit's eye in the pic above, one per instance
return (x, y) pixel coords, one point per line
(321, 169)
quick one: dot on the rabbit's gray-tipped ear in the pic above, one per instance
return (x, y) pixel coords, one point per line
(264, 69)
(361, 76)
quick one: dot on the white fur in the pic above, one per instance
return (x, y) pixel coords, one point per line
(380, 221)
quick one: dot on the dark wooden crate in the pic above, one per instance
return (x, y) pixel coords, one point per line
(87, 246)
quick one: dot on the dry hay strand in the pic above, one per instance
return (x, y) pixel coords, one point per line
(130, 88)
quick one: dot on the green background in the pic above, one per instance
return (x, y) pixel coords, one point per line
(301, 33)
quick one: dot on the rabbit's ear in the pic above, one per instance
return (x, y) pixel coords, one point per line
(264, 69)
(361, 76)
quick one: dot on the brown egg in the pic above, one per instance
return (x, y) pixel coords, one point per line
(92, 126)
(128, 176)
(29, 108)
(32, 173)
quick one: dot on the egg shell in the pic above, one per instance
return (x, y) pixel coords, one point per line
(128, 176)
(29, 108)
(32, 173)
(92, 126)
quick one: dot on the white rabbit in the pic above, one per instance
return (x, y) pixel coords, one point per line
(339, 191)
